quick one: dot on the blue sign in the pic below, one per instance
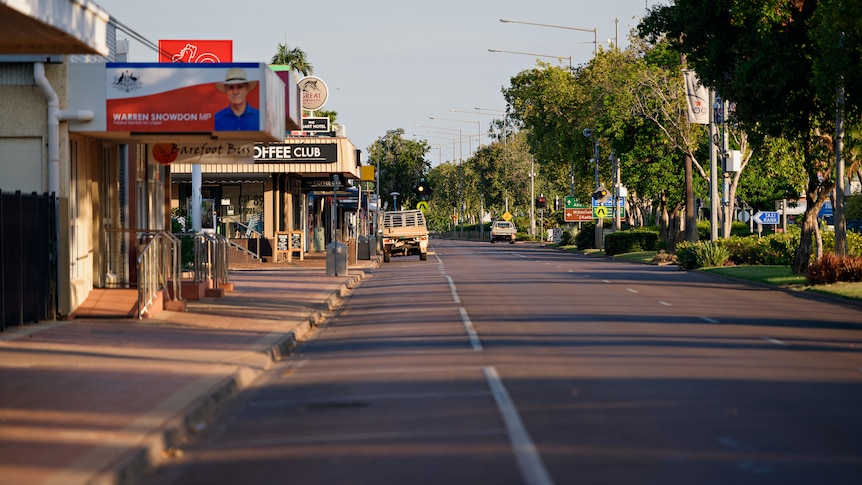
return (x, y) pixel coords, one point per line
(621, 202)
(767, 217)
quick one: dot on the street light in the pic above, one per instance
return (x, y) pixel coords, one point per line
(559, 58)
(595, 33)
(478, 127)
(492, 110)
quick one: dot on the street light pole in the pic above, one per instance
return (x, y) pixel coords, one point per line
(594, 31)
(559, 58)
(478, 128)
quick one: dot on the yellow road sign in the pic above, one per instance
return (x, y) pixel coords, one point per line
(422, 205)
(600, 212)
(507, 216)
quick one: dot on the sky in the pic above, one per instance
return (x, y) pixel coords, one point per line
(392, 64)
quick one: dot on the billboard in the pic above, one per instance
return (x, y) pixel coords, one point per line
(187, 98)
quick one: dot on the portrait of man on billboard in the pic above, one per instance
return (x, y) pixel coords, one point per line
(239, 115)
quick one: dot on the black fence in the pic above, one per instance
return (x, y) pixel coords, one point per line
(28, 259)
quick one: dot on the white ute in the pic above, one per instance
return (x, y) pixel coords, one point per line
(503, 231)
(404, 233)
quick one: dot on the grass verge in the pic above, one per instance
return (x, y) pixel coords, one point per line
(782, 276)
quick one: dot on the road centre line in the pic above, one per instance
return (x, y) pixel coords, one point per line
(471, 332)
(709, 320)
(529, 461)
(631, 290)
(453, 290)
(664, 303)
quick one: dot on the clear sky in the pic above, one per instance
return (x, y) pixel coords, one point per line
(393, 63)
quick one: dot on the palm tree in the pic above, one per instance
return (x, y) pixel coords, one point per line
(295, 58)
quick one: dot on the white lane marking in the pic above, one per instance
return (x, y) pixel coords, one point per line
(471, 332)
(709, 320)
(606, 281)
(453, 290)
(664, 303)
(529, 461)
(775, 341)
(631, 290)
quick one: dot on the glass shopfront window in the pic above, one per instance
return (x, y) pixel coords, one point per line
(238, 208)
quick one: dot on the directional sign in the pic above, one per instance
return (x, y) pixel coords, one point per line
(766, 217)
(422, 205)
(573, 203)
(610, 202)
(579, 214)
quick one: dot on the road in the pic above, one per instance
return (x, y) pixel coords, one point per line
(518, 364)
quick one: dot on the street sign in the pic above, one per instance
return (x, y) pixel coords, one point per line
(767, 217)
(600, 212)
(578, 214)
(422, 205)
(610, 202)
(573, 203)
(507, 216)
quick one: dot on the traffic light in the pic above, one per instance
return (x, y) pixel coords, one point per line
(601, 194)
(541, 202)
(422, 190)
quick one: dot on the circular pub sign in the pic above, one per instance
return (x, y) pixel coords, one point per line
(314, 92)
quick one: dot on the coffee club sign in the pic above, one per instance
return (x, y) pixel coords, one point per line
(296, 152)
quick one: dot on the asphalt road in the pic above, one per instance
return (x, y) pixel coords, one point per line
(517, 364)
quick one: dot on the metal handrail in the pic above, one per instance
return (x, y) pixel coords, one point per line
(158, 268)
(250, 232)
(211, 258)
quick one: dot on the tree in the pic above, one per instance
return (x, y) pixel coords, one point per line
(764, 56)
(402, 164)
(295, 58)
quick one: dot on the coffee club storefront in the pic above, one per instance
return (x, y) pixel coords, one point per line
(284, 188)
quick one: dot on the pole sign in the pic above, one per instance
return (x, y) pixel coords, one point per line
(315, 124)
(606, 209)
(767, 217)
(575, 211)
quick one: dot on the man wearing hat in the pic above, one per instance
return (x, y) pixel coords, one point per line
(239, 115)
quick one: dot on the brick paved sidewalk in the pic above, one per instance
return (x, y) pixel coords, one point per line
(100, 400)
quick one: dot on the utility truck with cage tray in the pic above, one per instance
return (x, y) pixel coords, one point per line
(404, 233)
(503, 231)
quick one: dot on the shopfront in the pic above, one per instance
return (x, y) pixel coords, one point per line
(288, 187)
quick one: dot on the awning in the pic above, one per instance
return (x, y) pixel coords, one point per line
(53, 27)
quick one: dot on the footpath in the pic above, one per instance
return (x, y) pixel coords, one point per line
(99, 401)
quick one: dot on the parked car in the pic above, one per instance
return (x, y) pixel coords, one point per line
(855, 225)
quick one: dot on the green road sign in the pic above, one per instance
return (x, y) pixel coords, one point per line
(572, 203)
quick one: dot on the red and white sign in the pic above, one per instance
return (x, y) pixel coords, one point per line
(581, 214)
(196, 51)
(150, 97)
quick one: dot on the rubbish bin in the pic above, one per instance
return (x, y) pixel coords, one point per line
(336, 259)
(319, 238)
(363, 250)
(372, 246)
